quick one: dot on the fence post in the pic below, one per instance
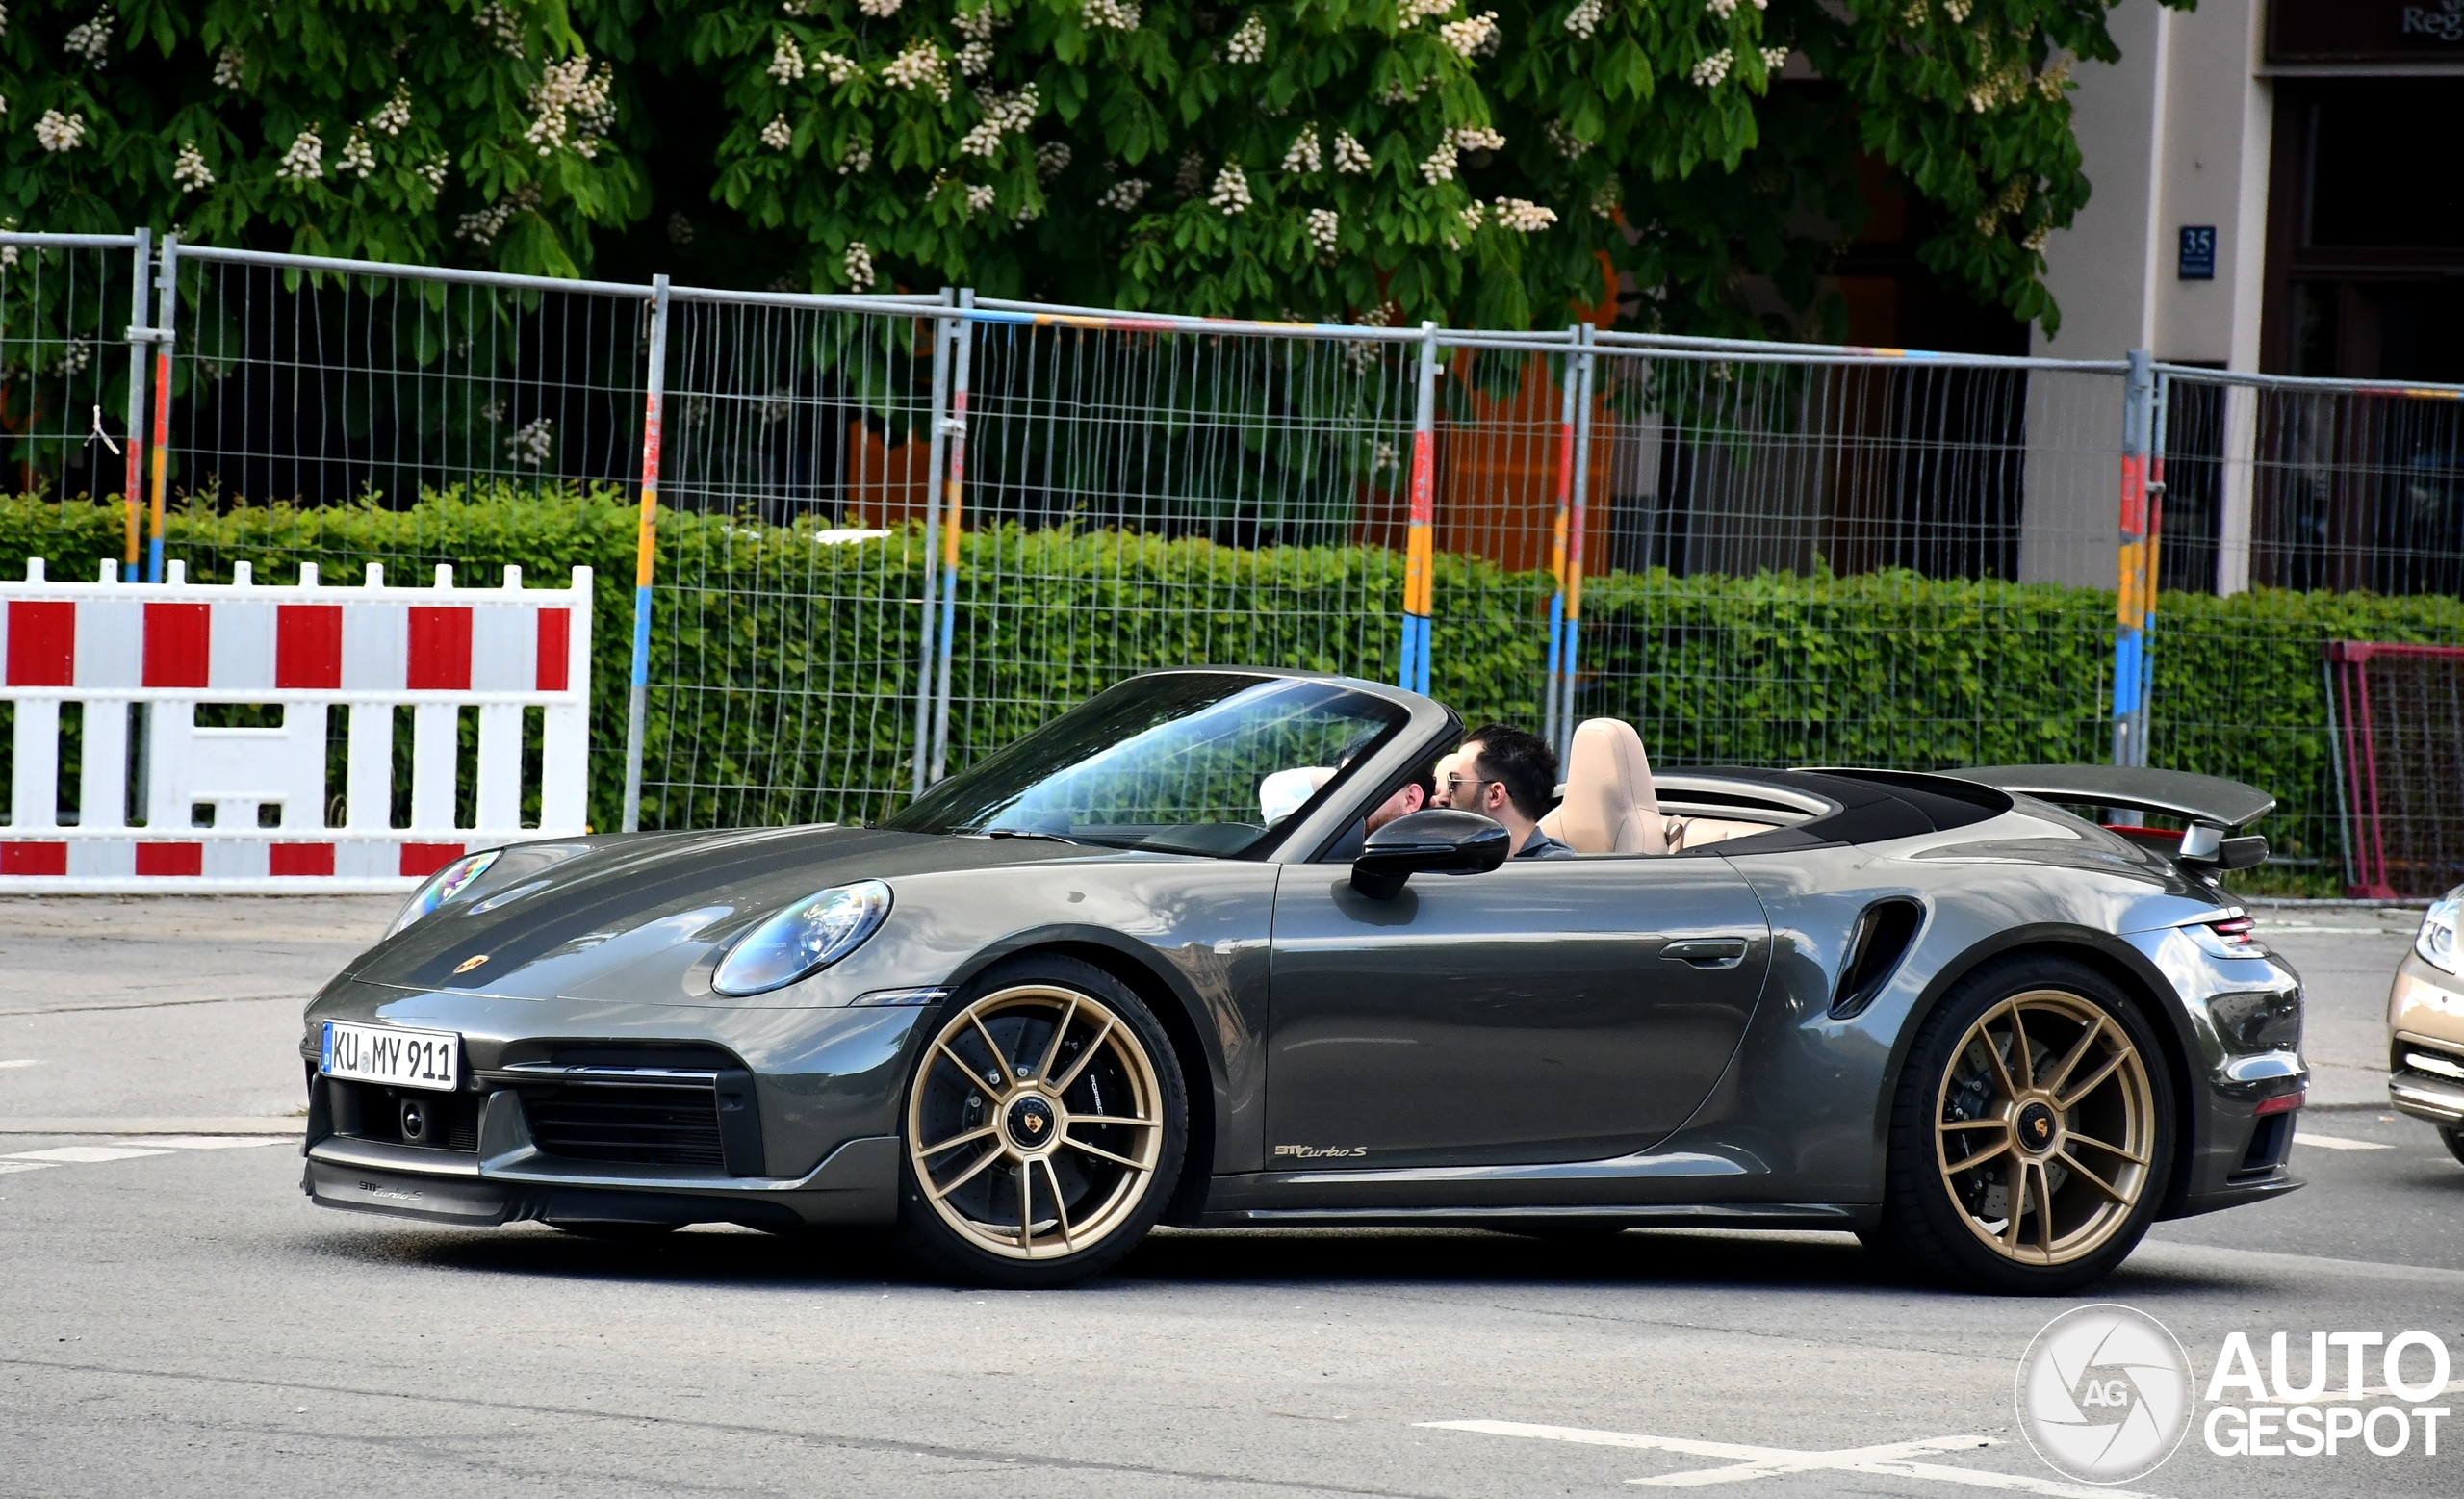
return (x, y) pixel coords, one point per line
(928, 648)
(954, 509)
(166, 323)
(1585, 363)
(644, 555)
(2153, 568)
(1420, 547)
(2238, 480)
(133, 488)
(2130, 599)
(1558, 547)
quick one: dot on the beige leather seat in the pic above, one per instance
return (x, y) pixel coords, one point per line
(1608, 807)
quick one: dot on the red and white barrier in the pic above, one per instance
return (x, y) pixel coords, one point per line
(250, 809)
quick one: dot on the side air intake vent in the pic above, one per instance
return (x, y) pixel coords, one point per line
(1880, 939)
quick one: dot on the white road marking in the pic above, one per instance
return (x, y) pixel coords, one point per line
(2338, 1143)
(1750, 1462)
(7, 1167)
(24, 1061)
(204, 1142)
(83, 1155)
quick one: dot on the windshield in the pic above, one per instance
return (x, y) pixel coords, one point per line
(1195, 763)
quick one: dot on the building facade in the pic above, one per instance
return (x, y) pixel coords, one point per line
(2270, 191)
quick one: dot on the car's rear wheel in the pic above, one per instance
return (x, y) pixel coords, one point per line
(1044, 1127)
(2032, 1135)
(2454, 1139)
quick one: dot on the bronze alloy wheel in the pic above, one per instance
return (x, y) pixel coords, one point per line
(1036, 1123)
(2044, 1127)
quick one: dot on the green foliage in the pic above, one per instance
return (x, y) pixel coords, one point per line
(403, 130)
(784, 670)
(1325, 159)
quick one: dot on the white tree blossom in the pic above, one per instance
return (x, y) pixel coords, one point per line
(1324, 228)
(1713, 71)
(1584, 18)
(919, 66)
(358, 158)
(1126, 194)
(304, 158)
(1474, 37)
(395, 113)
(92, 40)
(1114, 14)
(532, 442)
(1350, 156)
(777, 135)
(501, 27)
(786, 63)
(483, 226)
(1303, 156)
(1248, 44)
(570, 100)
(191, 172)
(1004, 115)
(1524, 216)
(1231, 193)
(58, 132)
(857, 262)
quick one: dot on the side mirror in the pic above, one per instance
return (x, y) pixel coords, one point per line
(1442, 841)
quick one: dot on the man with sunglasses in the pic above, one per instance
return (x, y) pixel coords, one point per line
(1510, 776)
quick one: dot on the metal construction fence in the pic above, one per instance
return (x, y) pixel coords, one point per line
(871, 538)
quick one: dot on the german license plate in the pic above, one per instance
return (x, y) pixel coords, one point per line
(385, 1054)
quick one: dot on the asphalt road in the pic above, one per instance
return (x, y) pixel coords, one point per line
(177, 1320)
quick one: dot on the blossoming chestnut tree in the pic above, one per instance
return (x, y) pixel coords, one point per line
(1476, 161)
(473, 131)
(1483, 160)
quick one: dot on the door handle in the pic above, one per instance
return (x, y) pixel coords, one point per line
(1706, 952)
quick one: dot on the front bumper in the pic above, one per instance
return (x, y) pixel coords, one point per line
(2426, 1043)
(2244, 1016)
(858, 1184)
(586, 1112)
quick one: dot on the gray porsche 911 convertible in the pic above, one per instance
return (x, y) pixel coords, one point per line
(1147, 965)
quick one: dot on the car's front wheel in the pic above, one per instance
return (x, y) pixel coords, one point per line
(1044, 1127)
(2454, 1139)
(2031, 1133)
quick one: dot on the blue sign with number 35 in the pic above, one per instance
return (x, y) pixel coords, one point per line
(2198, 253)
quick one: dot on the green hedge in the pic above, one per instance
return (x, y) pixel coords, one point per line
(785, 668)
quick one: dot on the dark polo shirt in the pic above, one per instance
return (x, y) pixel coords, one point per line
(1540, 845)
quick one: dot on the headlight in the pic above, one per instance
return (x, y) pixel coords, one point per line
(2436, 943)
(444, 884)
(808, 935)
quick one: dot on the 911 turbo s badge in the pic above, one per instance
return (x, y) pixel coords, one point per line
(1321, 1153)
(468, 964)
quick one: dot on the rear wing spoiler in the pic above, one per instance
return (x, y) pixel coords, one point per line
(2212, 805)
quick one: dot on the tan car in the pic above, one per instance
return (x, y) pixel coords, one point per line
(2425, 1025)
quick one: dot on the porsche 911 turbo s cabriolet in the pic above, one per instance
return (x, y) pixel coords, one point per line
(1147, 965)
